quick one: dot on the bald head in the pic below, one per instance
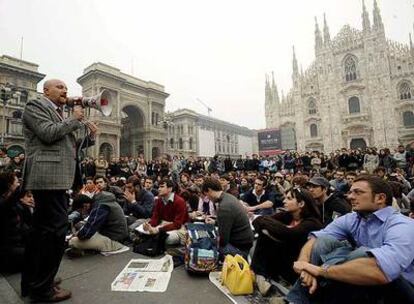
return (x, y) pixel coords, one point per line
(55, 90)
(50, 82)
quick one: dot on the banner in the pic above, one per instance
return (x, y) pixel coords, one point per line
(269, 139)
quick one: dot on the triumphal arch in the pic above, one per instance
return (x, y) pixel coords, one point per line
(135, 125)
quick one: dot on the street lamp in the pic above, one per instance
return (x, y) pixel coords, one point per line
(6, 93)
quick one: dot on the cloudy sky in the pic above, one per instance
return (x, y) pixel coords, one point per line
(217, 51)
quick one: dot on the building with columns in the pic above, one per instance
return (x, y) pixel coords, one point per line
(134, 127)
(18, 84)
(193, 134)
(358, 92)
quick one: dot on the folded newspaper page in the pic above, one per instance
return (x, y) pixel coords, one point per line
(145, 275)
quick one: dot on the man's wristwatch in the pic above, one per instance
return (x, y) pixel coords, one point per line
(134, 202)
(325, 268)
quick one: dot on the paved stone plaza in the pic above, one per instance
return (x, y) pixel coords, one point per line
(89, 278)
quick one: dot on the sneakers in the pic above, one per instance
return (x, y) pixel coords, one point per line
(263, 285)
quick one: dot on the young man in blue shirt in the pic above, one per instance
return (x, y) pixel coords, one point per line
(362, 256)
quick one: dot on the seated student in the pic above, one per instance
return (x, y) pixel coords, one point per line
(185, 181)
(236, 236)
(225, 181)
(13, 229)
(330, 204)
(339, 183)
(365, 256)
(169, 214)
(244, 187)
(105, 229)
(140, 202)
(81, 208)
(102, 184)
(199, 205)
(257, 200)
(89, 189)
(281, 237)
(149, 185)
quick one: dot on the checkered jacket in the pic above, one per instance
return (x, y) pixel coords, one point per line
(50, 147)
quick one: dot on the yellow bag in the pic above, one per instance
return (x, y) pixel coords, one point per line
(236, 275)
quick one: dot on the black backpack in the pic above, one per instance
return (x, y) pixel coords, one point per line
(151, 245)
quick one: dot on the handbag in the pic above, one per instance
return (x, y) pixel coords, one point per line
(236, 275)
(151, 245)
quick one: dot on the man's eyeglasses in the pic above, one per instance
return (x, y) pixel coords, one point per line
(258, 184)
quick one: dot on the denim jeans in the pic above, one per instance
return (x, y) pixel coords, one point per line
(330, 251)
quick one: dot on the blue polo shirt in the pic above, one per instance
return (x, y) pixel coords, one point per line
(388, 234)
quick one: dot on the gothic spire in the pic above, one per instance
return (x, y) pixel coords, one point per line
(318, 36)
(366, 24)
(267, 89)
(294, 63)
(378, 25)
(275, 93)
(326, 35)
(411, 46)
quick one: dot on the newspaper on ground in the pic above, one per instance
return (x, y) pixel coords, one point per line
(152, 275)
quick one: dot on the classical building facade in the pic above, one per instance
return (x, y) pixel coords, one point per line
(190, 133)
(358, 92)
(18, 84)
(134, 127)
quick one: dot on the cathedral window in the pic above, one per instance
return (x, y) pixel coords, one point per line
(172, 143)
(405, 91)
(190, 143)
(313, 130)
(180, 143)
(408, 119)
(312, 107)
(354, 105)
(350, 68)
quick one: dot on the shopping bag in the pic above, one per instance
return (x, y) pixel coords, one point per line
(236, 275)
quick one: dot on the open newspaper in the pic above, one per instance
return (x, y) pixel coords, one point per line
(145, 275)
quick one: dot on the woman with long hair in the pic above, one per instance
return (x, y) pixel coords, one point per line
(281, 237)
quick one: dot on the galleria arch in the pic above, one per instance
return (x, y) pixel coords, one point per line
(134, 126)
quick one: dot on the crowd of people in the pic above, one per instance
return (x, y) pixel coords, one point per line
(272, 202)
(336, 228)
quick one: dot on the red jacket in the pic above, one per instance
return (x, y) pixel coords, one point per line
(175, 212)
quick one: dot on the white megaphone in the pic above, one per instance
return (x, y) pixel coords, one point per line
(102, 102)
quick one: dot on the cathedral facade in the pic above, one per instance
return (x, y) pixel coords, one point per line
(357, 93)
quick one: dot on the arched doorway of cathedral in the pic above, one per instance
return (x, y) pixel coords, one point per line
(358, 143)
(132, 129)
(155, 152)
(106, 150)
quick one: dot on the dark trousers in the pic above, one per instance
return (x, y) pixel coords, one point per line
(45, 246)
(12, 260)
(273, 258)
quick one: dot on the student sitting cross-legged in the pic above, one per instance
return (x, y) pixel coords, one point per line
(105, 228)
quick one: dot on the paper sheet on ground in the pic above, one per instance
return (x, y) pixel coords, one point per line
(145, 275)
